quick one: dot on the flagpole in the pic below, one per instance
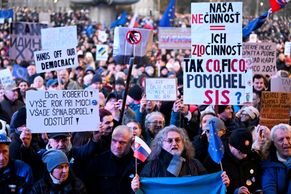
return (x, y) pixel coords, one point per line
(135, 164)
(221, 166)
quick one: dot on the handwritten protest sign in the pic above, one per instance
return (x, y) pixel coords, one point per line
(175, 38)
(216, 73)
(102, 36)
(51, 60)
(275, 108)
(162, 89)
(132, 41)
(281, 84)
(59, 37)
(102, 52)
(287, 49)
(6, 77)
(263, 55)
(62, 111)
(25, 39)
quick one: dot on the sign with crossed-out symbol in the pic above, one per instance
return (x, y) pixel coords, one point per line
(133, 37)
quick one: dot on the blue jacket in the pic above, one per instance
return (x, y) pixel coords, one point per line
(276, 177)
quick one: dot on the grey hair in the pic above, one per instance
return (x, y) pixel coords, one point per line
(282, 126)
(148, 117)
(157, 143)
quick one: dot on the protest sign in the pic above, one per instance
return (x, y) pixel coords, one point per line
(55, 59)
(161, 89)
(281, 84)
(44, 17)
(287, 49)
(25, 39)
(132, 41)
(6, 14)
(175, 38)
(263, 55)
(275, 108)
(6, 77)
(62, 110)
(102, 36)
(59, 37)
(216, 74)
(102, 52)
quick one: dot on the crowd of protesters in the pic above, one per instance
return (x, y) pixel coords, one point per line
(257, 158)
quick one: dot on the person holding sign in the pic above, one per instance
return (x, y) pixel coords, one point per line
(172, 156)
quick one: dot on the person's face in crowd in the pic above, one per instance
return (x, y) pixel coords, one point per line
(110, 104)
(238, 154)
(244, 117)
(173, 143)
(64, 76)
(119, 87)
(256, 100)
(282, 142)
(120, 144)
(61, 143)
(227, 114)
(107, 124)
(23, 87)
(135, 129)
(4, 155)
(97, 85)
(38, 82)
(31, 70)
(259, 84)
(129, 100)
(204, 120)
(48, 75)
(156, 123)
(12, 95)
(150, 105)
(101, 100)
(61, 172)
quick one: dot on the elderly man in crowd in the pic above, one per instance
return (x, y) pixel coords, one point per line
(110, 172)
(171, 147)
(15, 175)
(276, 176)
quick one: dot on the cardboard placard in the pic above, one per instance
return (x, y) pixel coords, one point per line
(62, 111)
(161, 89)
(102, 51)
(263, 56)
(25, 39)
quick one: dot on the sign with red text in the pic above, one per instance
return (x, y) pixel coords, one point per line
(62, 110)
(263, 56)
(174, 38)
(216, 73)
(162, 89)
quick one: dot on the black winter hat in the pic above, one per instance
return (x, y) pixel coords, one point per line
(20, 118)
(242, 140)
(221, 108)
(97, 78)
(120, 81)
(135, 92)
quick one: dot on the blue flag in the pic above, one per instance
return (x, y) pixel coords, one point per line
(121, 21)
(254, 24)
(210, 184)
(169, 15)
(215, 147)
(6, 13)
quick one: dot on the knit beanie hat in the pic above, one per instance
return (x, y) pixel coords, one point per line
(53, 158)
(241, 139)
(20, 118)
(251, 111)
(135, 92)
(221, 108)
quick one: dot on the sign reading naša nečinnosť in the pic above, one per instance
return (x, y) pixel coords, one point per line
(62, 111)
(55, 59)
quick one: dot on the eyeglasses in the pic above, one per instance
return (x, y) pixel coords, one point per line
(158, 122)
(170, 140)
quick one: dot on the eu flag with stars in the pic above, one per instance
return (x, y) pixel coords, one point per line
(120, 21)
(215, 147)
(6, 13)
(169, 15)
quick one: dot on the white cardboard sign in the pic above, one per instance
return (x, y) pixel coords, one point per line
(162, 89)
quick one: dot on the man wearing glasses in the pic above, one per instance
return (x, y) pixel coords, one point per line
(154, 122)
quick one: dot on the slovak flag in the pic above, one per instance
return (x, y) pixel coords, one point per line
(141, 149)
(276, 5)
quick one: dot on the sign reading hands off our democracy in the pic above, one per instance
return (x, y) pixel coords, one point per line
(162, 89)
(216, 73)
(62, 111)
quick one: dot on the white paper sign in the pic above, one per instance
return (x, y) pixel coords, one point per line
(60, 37)
(281, 84)
(102, 52)
(57, 59)
(162, 89)
(287, 50)
(62, 111)
(102, 36)
(6, 77)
